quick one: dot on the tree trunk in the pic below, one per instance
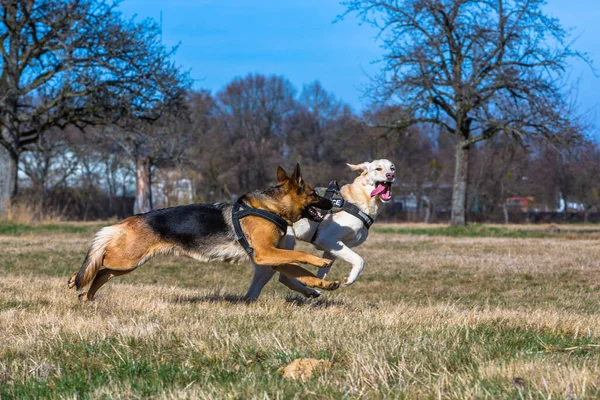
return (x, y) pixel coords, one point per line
(459, 189)
(8, 181)
(428, 208)
(143, 189)
(503, 198)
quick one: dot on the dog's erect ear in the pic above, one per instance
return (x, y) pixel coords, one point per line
(297, 174)
(296, 177)
(281, 175)
(359, 167)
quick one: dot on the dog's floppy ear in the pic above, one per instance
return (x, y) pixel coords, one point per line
(281, 175)
(296, 177)
(359, 167)
(363, 170)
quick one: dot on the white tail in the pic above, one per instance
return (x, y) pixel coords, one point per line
(95, 256)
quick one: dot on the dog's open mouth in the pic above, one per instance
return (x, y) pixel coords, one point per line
(383, 190)
(313, 214)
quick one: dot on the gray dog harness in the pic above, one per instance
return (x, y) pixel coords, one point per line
(340, 204)
(241, 210)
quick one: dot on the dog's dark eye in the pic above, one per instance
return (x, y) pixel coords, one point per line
(378, 169)
(393, 169)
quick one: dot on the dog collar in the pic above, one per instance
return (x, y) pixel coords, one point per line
(241, 210)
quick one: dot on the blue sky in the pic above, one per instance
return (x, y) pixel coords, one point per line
(222, 39)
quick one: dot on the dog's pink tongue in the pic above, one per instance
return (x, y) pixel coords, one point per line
(378, 190)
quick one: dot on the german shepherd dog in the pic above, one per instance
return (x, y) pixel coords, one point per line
(206, 232)
(340, 231)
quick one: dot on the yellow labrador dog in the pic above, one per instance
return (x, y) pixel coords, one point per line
(340, 231)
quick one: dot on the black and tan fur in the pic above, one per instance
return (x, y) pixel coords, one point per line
(205, 232)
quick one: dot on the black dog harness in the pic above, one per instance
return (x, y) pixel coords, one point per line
(241, 210)
(340, 204)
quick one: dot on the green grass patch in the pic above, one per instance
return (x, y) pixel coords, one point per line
(79, 367)
(472, 230)
(8, 228)
(71, 365)
(49, 263)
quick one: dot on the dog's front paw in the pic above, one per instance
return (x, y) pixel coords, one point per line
(331, 285)
(347, 282)
(83, 297)
(324, 263)
(72, 280)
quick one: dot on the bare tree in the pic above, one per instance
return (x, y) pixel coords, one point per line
(319, 131)
(160, 143)
(206, 155)
(500, 166)
(309, 125)
(48, 164)
(583, 171)
(75, 62)
(253, 110)
(473, 67)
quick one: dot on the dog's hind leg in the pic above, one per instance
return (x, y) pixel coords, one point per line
(124, 255)
(262, 275)
(101, 278)
(339, 250)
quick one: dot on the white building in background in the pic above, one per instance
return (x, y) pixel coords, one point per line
(171, 188)
(573, 206)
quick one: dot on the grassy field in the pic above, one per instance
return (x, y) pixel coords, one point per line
(483, 312)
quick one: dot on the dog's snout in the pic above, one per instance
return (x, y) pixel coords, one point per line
(324, 203)
(390, 176)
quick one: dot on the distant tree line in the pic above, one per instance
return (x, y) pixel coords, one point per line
(230, 142)
(470, 105)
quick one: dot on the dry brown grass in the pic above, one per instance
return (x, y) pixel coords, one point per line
(528, 227)
(431, 317)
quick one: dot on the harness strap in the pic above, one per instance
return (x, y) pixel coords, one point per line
(241, 210)
(358, 213)
(343, 205)
(332, 189)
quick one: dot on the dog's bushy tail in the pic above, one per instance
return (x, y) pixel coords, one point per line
(94, 257)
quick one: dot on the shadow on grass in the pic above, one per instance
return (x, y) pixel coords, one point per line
(319, 302)
(235, 298)
(216, 297)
